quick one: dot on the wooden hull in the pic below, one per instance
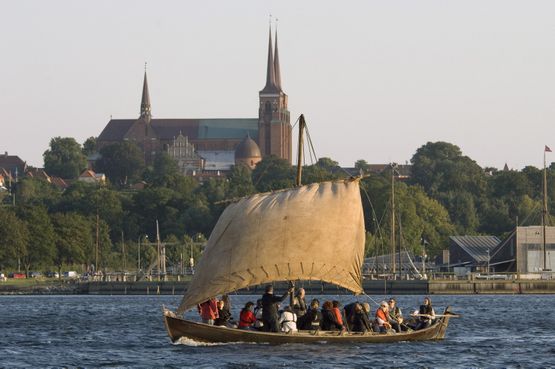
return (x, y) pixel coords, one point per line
(178, 328)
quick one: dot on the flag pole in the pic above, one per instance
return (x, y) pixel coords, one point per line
(544, 210)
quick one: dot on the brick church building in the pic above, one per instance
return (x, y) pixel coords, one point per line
(212, 145)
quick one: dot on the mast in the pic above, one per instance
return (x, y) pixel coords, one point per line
(97, 245)
(159, 261)
(393, 266)
(298, 182)
(302, 125)
(544, 210)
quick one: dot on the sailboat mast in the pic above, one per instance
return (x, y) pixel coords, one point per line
(393, 266)
(159, 261)
(544, 212)
(97, 244)
(302, 124)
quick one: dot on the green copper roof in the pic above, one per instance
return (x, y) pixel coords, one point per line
(227, 128)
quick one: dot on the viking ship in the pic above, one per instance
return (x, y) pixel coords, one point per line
(308, 233)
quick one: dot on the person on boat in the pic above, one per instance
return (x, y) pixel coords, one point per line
(360, 321)
(382, 320)
(224, 315)
(259, 324)
(299, 303)
(395, 316)
(426, 314)
(311, 320)
(349, 311)
(208, 311)
(247, 317)
(270, 308)
(337, 312)
(288, 320)
(329, 323)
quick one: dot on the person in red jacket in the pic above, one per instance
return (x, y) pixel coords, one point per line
(246, 317)
(208, 311)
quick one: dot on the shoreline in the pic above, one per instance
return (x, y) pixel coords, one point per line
(371, 287)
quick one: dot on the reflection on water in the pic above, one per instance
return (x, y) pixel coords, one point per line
(127, 331)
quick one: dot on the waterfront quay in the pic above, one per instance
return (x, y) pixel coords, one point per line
(371, 287)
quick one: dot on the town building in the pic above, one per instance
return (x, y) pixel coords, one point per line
(209, 145)
(13, 165)
(89, 176)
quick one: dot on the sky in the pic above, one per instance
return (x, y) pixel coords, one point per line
(375, 80)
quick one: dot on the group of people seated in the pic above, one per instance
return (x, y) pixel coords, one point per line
(217, 312)
(354, 317)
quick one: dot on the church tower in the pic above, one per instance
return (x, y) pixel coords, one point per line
(274, 127)
(141, 131)
(145, 102)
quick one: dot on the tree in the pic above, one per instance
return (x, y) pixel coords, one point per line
(510, 184)
(441, 167)
(273, 173)
(362, 165)
(88, 199)
(443, 172)
(325, 169)
(36, 191)
(89, 146)
(417, 216)
(165, 172)
(462, 209)
(14, 238)
(73, 238)
(121, 162)
(41, 247)
(240, 182)
(64, 158)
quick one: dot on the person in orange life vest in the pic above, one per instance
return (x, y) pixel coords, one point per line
(246, 317)
(337, 312)
(208, 311)
(382, 317)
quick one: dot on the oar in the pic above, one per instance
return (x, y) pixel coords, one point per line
(451, 315)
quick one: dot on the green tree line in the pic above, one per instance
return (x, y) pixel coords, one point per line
(447, 193)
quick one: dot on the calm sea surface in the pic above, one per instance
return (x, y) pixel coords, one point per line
(127, 331)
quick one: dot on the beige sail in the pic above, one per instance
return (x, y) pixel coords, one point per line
(314, 232)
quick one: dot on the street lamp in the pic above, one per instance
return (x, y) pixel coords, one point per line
(139, 252)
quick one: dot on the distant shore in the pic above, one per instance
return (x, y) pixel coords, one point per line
(371, 287)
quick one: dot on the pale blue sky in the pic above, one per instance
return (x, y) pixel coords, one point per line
(375, 79)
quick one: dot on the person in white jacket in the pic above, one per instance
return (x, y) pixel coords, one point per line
(288, 320)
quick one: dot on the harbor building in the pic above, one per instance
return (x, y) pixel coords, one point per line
(522, 252)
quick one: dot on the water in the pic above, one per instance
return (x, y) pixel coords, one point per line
(127, 331)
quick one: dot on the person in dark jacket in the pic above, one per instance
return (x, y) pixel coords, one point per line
(270, 308)
(299, 303)
(224, 315)
(311, 320)
(329, 322)
(426, 314)
(360, 321)
(349, 311)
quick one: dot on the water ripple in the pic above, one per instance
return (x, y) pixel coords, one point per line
(127, 331)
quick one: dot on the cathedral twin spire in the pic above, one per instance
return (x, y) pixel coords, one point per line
(145, 101)
(273, 78)
(273, 73)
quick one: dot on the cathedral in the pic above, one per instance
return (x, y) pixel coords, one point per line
(205, 146)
